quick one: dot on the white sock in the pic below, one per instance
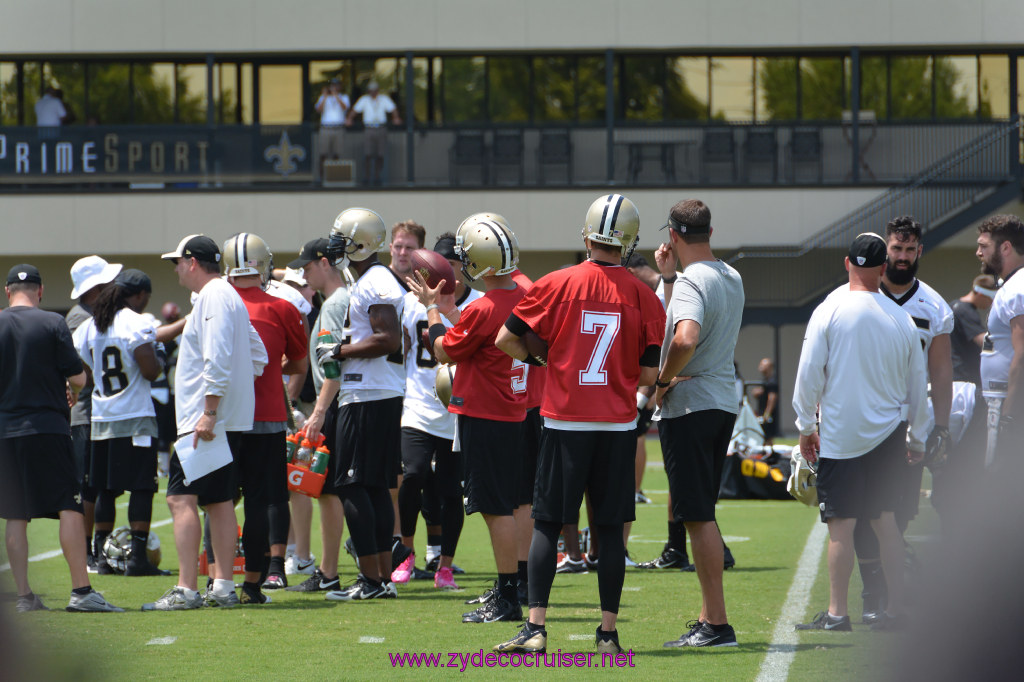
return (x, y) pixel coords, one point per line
(433, 551)
(223, 588)
(191, 594)
(289, 550)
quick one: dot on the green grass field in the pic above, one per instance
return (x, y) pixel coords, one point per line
(304, 637)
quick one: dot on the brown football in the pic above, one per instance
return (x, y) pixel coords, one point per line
(536, 345)
(434, 267)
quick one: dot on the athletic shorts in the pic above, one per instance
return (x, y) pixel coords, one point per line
(864, 487)
(81, 445)
(910, 493)
(531, 452)
(694, 447)
(492, 454)
(115, 464)
(217, 486)
(263, 468)
(643, 422)
(431, 457)
(330, 431)
(573, 462)
(369, 444)
(37, 477)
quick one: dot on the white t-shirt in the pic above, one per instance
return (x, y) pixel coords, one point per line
(120, 392)
(49, 111)
(366, 379)
(997, 351)
(333, 113)
(862, 361)
(421, 410)
(219, 354)
(375, 110)
(288, 293)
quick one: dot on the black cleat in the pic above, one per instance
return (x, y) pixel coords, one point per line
(532, 639)
(712, 636)
(693, 626)
(362, 589)
(826, 621)
(435, 563)
(496, 609)
(729, 561)
(399, 553)
(670, 558)
(486, 596)
(420, 574)
(607, 642)
(316, 583)
(144, 569)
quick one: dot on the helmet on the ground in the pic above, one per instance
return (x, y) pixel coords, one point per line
(117, 549)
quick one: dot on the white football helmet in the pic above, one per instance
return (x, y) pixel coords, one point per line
(247, 254)
(118, 549)
(443, 382)
(803, 479)
(613, 220)
(486, 247)
(358, 233)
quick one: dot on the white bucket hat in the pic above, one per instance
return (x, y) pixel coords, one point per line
(91, 271)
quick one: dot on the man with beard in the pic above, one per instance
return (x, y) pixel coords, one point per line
(933, 319)
(1001, 251)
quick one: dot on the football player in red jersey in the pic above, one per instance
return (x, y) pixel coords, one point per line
(603, 329)
(489, 396)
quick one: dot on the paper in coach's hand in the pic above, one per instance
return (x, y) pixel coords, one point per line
(206, 457)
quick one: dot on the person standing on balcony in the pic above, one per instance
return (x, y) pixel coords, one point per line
(374, 108)
(331, 106)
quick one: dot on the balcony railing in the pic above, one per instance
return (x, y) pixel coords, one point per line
(287, 157)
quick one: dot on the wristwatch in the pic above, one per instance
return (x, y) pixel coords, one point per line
(662, 384)
(669, 280)
(209, 413)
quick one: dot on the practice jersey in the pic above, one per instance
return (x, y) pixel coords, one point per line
(421, 410)
(598, 320)
(364, 379)
(997, 351)
(538, 375)
(931, 314)
(279, 325)
(488, 383)
(120, 392)
(290, 294)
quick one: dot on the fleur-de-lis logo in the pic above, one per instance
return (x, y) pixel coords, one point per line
(285, 154)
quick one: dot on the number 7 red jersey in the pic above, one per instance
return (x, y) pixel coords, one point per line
(597, 321)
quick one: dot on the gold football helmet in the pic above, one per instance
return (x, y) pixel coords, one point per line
(803, 479)
(477, 217)
(486, 247)
(358, 233)
(247, 254)
(443, 381)
(613, 220)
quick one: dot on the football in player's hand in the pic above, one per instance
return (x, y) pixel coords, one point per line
(434, 267)
(537, 346)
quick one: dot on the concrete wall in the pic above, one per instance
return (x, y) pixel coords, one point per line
(181, 26)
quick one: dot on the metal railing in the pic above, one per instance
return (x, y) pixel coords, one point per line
(934, 196)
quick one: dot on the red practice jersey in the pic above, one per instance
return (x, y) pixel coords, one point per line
(538, 375)
(597, 321)
(280, 328)
(488, 383)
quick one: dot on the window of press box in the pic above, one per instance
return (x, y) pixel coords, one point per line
(463, 90)
(732, 89)
(642, 96)
(280, 94)
(508, 89)
(824, 88)
(776, 86)
(687, 88)
(8, 94)
(994, 86)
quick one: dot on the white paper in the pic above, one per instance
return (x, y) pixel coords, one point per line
(205, 458)
(142, 441)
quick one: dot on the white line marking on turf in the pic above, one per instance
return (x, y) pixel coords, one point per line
(162, 641)
(56, 552)
(631, 589)
(580, 638)
(775, 667)
(371, 640)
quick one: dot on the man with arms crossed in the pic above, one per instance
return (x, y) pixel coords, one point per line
(861, 361)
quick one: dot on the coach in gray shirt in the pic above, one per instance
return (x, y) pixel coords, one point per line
(696, 393)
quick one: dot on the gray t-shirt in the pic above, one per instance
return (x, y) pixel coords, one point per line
(81, 413)
(711, 294)
(332, 318)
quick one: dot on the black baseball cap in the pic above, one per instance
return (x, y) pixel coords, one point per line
(677, 223)
(311, 251)
(133, 281)
(196, 246)
(446, 247)
(867, 250)
(24, 274)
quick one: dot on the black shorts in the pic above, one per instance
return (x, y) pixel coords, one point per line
(694, 447)
(37, 477)
(330, 431)
(369, 444)
(432, 458)
(643, 422)
(263, 467)
(492, 454)
(910, 493)
(217, 486)
(598, 462)
(81, 446)
(531, 452)
(115, 464)
(864, 487)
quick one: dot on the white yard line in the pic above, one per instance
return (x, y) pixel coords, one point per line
(775, 667)
(56, 552)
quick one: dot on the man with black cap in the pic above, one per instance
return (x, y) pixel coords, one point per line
(219, 355)
(875, 384)
(39, 370)
(326, 277)
(696, 396)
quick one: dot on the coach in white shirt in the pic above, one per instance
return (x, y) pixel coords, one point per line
(862, 363)
(374, 108)
(331, 106)
(50, 110)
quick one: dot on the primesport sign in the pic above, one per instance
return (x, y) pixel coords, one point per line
(177, 154)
